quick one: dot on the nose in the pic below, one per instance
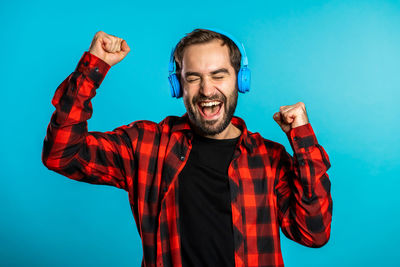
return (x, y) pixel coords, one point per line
(207, 87)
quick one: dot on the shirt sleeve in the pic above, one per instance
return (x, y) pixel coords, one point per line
(69, 149)
(303, 189)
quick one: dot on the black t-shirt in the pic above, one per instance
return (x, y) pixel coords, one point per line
(204, 204)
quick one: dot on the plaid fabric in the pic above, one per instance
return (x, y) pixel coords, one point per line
(268, 187)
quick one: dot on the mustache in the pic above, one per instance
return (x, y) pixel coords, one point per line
(199, 98)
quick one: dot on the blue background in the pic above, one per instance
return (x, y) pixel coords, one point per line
(341, 58)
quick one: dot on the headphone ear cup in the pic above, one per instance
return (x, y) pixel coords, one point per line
(244, 78)
(174, 86)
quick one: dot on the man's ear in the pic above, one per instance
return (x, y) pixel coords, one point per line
(179, 76)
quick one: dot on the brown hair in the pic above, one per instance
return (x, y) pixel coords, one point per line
(200, 36)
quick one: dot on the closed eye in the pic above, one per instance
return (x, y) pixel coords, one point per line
(192, 80)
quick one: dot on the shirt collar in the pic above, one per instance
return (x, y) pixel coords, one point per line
(245, 138)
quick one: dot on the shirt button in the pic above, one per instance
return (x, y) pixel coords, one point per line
(96, 69)
(86, 63)
(182, 158)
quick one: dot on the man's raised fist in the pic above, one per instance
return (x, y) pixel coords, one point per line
(109, 48)
(291, 116)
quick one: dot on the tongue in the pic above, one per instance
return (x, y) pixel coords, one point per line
(211, 111)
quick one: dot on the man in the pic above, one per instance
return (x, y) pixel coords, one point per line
(204, 191)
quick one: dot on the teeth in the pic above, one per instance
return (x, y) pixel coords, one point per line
(209, 104)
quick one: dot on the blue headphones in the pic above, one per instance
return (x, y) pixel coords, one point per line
(243, 74)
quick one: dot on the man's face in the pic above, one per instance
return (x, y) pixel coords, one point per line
(209, 86)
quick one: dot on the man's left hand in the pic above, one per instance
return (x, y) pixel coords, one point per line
(291, 116)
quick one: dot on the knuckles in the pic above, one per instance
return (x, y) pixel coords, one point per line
(296, 107)
(111, 37)
(100, 33)
(302, 105)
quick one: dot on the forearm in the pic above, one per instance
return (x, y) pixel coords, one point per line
(303, 190)
(68, 124)
(68, 148)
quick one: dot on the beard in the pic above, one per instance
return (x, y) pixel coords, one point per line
(211, 127)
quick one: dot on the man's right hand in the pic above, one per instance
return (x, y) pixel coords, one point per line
(109, 48)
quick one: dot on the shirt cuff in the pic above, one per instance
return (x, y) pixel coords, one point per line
(93, 67)
(302, 138)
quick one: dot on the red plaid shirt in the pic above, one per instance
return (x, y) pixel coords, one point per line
(268, 188)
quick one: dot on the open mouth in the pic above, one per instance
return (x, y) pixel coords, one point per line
(210, 110)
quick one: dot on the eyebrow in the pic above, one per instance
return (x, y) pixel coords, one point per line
(192, 73)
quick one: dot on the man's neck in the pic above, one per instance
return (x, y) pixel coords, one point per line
(230, 132)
